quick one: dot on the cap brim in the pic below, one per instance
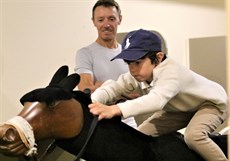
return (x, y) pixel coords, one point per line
(130, 55)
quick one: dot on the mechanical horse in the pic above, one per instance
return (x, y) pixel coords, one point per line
(60, 113)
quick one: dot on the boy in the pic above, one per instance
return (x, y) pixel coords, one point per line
(176, 96)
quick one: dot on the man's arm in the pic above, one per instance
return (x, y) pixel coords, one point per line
(87, 81)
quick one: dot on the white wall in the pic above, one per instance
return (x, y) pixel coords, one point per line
(38, 36)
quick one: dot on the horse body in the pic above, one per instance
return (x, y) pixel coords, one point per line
(62, 114)
(115, 141)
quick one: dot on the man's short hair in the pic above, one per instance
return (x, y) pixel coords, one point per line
(106, 3)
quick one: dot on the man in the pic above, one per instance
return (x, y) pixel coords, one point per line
(93, 61)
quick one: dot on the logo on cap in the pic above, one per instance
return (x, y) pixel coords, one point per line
(127, 43)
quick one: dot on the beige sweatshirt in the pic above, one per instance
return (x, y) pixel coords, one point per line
(174, 88)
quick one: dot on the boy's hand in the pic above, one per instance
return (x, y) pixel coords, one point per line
(104, 111)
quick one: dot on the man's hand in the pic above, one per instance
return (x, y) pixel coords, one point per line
(104, 111)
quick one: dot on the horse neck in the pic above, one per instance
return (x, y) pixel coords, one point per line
(111, 136)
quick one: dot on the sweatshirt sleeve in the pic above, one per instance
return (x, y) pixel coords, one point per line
(163, 88)
(111, 90)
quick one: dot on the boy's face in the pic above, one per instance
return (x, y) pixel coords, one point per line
(142, 69)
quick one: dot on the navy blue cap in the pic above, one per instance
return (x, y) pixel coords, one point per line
(137, 44)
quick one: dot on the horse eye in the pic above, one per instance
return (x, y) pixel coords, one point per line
(53, 104)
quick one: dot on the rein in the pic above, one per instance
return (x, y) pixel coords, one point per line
(27, 136)
(93, 125)
(91, 130)
(52, 145)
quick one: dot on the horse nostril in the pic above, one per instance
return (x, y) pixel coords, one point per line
(10, 135)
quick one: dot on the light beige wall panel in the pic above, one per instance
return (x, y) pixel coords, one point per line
(208, 58)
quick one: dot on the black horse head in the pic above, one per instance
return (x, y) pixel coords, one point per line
(60, 88)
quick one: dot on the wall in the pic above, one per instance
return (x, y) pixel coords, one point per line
(208, 57)
(38, 36)
(227, 60)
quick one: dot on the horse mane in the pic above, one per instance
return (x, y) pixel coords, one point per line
(81, 97)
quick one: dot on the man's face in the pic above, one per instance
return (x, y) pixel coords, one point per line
(106, 20)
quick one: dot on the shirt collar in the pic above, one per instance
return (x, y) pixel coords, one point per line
(156, 71)
(145, 85)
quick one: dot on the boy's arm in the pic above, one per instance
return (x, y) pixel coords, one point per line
(104, 111)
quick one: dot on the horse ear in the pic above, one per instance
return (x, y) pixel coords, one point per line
(60, 74)
(70, 82)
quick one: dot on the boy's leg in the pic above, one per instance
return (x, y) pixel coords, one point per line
(162, 122)
(204, 122)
